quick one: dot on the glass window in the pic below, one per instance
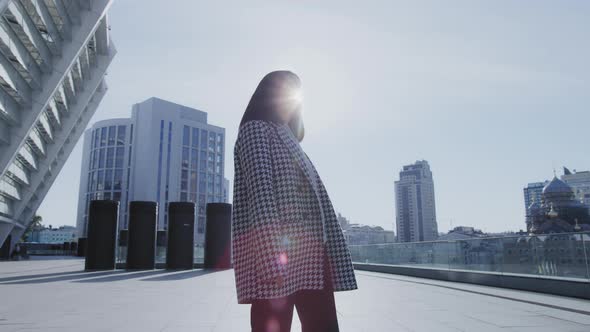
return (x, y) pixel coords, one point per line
(107, 195)
(185, 157)
(96, 138)
(117, 196)
(121, 135)
(95, 159)
(212, 137)
(193, 197)
(117, 181)
(201, 225)
(119, 155)
(194, 154)
(101, 158)
(183, 197)
(93, 181)
(112, 133)
(210, 199)
(193, 181)
(185, 135)
(202, 177)
(110, 157)
(203, 139)
(210, 185)
(184, 180)
(202, 187)
(108, 179)
(100, 181)
(103, 136)
(203, 165)
(195, 142)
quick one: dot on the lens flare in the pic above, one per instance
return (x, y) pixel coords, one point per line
(297, 96)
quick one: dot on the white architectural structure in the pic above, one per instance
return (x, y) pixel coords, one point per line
(164, 153)
(57, 235)
(414, 202)
(53, 59)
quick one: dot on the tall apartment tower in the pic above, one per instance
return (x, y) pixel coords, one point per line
(164, 153)
(53, 58)
(532, 193)
(414, 202)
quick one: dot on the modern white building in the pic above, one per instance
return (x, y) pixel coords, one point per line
(53, 58)
(164, 153)
(57, 235)
(414, 202)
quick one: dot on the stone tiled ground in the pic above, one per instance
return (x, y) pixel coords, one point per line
(56, 295)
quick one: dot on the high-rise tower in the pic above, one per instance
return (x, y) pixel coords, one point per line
(414, 202)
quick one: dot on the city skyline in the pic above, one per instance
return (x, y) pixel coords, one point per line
(478, 100)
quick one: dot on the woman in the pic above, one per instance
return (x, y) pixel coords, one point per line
(288, 247)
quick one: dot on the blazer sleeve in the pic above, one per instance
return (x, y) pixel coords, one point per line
(256, 162)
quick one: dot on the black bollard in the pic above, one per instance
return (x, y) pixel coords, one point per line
(102, 235)
(141, 250)
(181, 231)
(5, 249)
(218, 236)
(81, 250)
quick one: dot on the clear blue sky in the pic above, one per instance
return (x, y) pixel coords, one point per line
(494, 94)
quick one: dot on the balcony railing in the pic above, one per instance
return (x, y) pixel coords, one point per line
(562, 256)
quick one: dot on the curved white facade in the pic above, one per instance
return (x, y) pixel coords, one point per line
(53, 58)
(164, 153)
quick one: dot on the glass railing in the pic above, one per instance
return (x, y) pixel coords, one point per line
(199, 254)
(552, 255)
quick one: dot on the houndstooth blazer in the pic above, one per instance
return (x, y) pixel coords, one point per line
(277, 219)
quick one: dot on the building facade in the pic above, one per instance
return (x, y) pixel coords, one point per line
(532, 193)
(53, 58)
(414, 203)
(580, 183)
(357, 234)
(53, 235)
(559, 211)
(164, 153)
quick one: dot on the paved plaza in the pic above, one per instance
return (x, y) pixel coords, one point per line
(54, 294)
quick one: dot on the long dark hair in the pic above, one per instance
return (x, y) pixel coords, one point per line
(260, 106)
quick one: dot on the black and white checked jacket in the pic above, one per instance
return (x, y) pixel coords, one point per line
(277, 219)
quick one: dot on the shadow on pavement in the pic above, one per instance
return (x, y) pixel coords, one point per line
(176, 275)
(66, 277)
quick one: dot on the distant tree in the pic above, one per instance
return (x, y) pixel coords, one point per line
(35, 223)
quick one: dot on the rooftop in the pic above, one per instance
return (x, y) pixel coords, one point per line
(55, 294)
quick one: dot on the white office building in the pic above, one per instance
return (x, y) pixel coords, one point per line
(53, 58)
(57, 235)
(414, 203)
(164, 153)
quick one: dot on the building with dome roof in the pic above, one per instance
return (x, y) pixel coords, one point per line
(559, 210)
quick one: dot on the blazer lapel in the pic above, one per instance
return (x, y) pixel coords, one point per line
(295, 150)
